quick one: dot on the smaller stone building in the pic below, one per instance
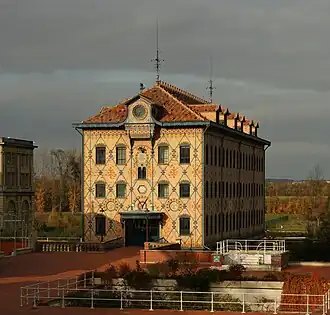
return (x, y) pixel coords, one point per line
(16, 187)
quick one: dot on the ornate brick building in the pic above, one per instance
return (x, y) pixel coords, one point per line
(16, 187)
(168, 164)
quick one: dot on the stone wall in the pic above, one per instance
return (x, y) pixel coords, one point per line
(155, 256)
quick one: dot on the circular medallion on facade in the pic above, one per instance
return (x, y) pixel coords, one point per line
(142, 189)
(142, 158)
(111, 205)
(174, 205)
(139, 112)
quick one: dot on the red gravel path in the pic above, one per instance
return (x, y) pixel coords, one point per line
(30, 268)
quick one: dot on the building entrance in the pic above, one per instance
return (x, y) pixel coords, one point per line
(139, 231)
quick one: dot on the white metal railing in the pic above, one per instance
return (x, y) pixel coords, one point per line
(58, 238)
(261, 246)
(61, 293)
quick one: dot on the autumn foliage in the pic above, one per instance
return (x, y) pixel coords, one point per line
(303, 291)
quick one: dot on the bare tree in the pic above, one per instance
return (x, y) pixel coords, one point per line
(315, 186)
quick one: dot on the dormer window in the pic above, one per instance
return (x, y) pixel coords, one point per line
(223, 119)
(236, 123)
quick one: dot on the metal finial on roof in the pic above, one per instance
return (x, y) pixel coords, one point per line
(211, 87)
(142, 87)
(157, 61)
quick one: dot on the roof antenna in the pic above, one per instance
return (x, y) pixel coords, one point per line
(211, 87)
(157, 61)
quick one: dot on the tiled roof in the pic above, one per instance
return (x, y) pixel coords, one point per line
(177, 106)
(205, 107)
(163, 94)
(109, 114)
(183, 96)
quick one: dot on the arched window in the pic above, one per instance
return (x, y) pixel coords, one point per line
(142, 172)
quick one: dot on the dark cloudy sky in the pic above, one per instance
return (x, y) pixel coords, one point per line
(60, 60)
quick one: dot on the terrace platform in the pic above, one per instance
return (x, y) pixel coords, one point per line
(253, 254)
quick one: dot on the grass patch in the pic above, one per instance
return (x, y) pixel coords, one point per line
(296, 223)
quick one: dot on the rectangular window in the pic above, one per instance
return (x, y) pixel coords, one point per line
(100, 155)
(121, 155)
(121, 190)
(184, 154)
(184, 226)
(184, 190)
(142, 173)
(163, 154)
(163, 190)
(100, 190)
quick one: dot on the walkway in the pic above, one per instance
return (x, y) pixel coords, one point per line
(30, 268)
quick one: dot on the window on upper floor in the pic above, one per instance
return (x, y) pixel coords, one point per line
(120, 155)
(207, 155)
(206, 189)
(100, 190)
(100, 154)
(211, 155)
(206, 225)
(215, 156)
(163, 190)
(184, 226)
(215, 189)
(184, 154)
(211, 190)
(184, 190)
(121, 190)
(163, 154)
(142, 172)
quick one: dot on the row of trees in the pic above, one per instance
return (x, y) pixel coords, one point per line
(57, 181)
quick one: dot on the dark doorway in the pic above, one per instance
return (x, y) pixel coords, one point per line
(100, 225)
(138, 231)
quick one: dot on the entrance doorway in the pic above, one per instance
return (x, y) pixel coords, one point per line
(139, 231)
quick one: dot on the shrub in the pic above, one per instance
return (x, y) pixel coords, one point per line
(158, 270)
(138, 279)
(173, 266)
(109, 274)
(123, 269)
(270, 277)
(235, 272)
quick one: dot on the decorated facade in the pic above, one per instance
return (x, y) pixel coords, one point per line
(168, 165)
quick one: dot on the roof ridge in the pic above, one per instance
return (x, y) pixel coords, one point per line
(184, 92)
(185, 106)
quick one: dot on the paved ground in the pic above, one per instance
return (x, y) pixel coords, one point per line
(31, 268)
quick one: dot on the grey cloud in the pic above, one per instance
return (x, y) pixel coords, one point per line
(61, 60)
